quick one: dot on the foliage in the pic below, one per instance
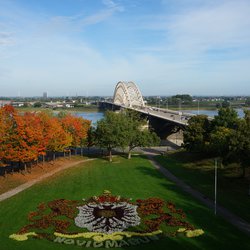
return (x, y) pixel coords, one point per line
(77, 127)
(187, 99)
(196, 135)
(109, 130)
(37, 105)
(24, 137)
(135, 135)
(227, 117)
(247, 101)
(124, 129)
(227, 136)
(240, 142)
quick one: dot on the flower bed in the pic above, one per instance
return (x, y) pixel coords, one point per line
(106, 218)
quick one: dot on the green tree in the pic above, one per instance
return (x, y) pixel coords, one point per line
(247, 103)
(109, 132)
(135, 133)
(123, 130)
(227, 117)
(240, 142)
(225, 104)
(222, 130)
(196, 135)
(37, 104)
(220, 139)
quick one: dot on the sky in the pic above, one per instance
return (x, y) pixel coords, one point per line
(84, 47)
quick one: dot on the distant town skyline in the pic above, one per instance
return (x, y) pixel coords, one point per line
(167, 47)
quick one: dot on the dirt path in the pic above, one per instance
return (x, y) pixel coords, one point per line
(28, 184)
(241, 224)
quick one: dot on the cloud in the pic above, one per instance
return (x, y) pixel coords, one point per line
(6, 38)
(200, 28)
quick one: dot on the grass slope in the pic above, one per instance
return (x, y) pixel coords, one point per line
(136, 179)
(232, 191)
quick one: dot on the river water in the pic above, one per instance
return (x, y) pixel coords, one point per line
(96, 116)
(92, 116)
(212, 113)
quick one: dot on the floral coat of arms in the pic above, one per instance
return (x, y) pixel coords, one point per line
(105, 220)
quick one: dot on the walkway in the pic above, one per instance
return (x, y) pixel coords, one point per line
(28, 184)
(223, 212)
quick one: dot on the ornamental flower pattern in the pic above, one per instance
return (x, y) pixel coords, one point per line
(107, 217)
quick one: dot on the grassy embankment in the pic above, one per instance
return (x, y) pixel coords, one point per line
(134, 178)
(76, 109)
(199, 174)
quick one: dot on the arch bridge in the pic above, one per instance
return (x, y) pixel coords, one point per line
(127, 94)
(163, 121)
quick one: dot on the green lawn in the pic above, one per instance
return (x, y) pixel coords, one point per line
(134, 178)
(232, 191)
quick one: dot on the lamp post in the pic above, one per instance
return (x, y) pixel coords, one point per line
(215, 186)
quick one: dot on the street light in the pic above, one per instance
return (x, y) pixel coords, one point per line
(179, 105)
(215, 186)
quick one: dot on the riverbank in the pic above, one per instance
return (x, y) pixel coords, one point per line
(70, 110)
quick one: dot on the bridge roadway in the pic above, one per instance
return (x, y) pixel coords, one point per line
(177, 117)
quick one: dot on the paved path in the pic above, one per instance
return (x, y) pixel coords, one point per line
(223, 212)
(28, 184)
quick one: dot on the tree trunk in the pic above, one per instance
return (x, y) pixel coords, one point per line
(129, 154)
(54, 156)
(110, 155)
(81, 151)
(76, 151)
(43, 159)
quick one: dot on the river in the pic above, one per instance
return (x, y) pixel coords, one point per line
(92, 116)
(95, 116)
(212, 113)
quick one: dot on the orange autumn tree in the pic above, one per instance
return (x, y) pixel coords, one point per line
(8, 135)
(21, 136)
(78, 129)
(29, 128)
(58, 139)
(46, 127)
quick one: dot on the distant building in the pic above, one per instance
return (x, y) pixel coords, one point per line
(3, 103)
(45, 95)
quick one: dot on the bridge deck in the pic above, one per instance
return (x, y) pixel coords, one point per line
(177, 117)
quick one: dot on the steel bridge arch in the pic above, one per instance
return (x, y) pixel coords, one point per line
(127, 94)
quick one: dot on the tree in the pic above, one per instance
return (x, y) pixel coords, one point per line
(134, 133)
(78, 128)
(37, 105)
(196, 135)
(247, 103)
(220, 142)
(225, 104)
(240, 142)
(58, 139)
(123, 130)
(30, 137)
(227, 117)
(21, 136)
(8, 134)
(108, 132)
